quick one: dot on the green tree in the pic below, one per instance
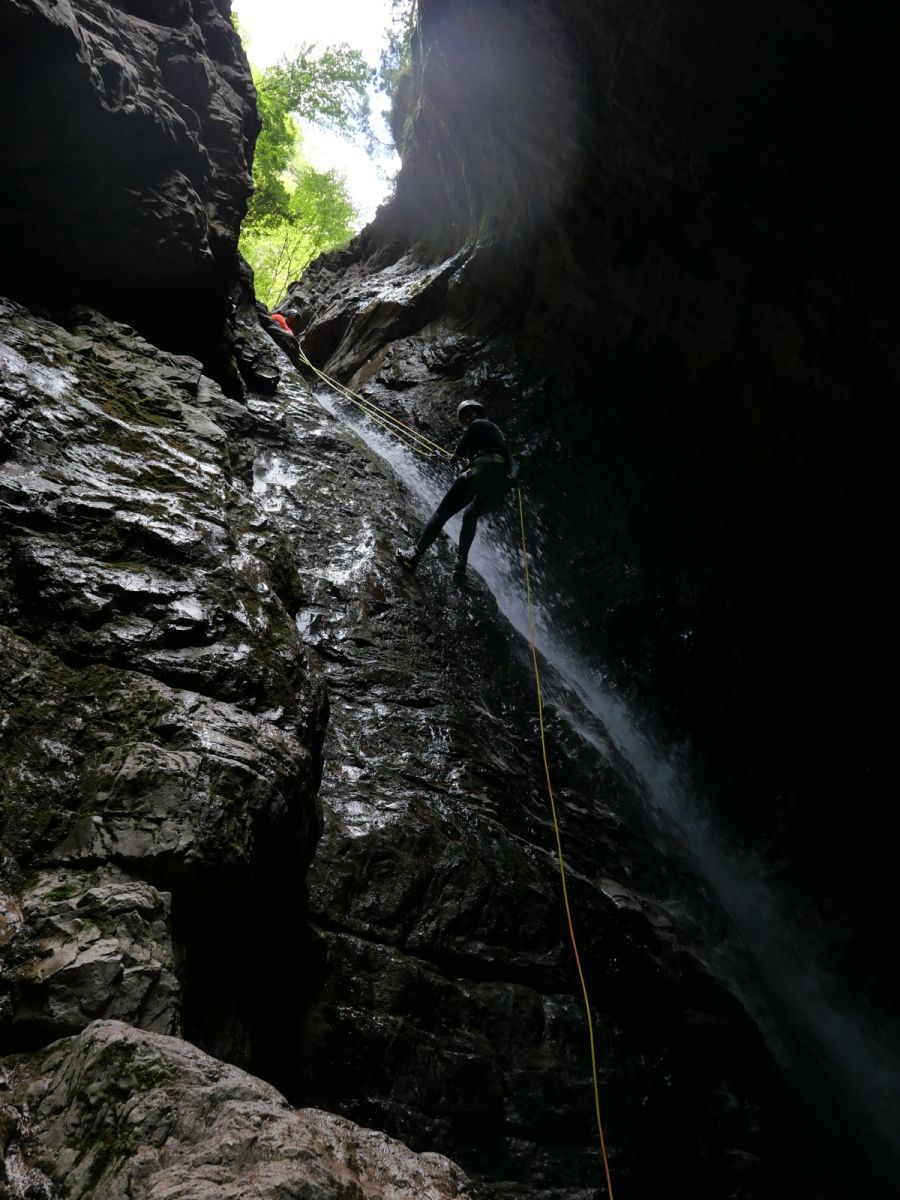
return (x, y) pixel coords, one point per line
(296, 212)
(315, 214)
(329, 89)
(395, 74)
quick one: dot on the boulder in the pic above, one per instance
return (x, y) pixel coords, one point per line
(91, 946)
(117, 1111)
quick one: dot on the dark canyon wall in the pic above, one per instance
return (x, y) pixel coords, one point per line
(268, 807)
(126, 134)
(676, 263)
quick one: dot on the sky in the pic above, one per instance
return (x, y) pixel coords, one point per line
(276, 27)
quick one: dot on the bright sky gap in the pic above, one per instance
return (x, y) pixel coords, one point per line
(273, 28)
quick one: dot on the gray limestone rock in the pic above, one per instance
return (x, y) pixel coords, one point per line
(129, 541)
(159, 713)
(102, 764)
(90, 946)
(121, 1112)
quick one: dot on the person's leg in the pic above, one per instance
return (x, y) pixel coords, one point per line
(457, 497)
(479, 506)
(467, 533)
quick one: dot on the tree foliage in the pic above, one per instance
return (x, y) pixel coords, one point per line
(314, 214)
(329, 89)
(395, 70)
(296, 212)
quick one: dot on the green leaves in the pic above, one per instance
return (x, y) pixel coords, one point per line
(395, 71)
(330, 90)
(296, 212)
(315, 213)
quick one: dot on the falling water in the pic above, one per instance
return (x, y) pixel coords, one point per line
(802, 1010)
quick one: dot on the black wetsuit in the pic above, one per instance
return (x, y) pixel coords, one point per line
(481, 488)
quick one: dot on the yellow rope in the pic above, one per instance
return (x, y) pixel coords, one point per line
(381, 416)
(403, 431)
(562, 869)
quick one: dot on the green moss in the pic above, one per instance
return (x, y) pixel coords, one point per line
(125, 564)
(181, 446)
(106, 1150)
(125, 439)
(122, 404)
(59, 722)
(109, 1139)
(129, 1071)
(64, 892)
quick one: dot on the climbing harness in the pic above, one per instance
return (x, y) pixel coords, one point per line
(424, 446)
(562, 866)
(410, 437)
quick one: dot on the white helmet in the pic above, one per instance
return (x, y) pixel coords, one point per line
(473, 406)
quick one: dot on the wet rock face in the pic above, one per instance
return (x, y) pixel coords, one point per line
(160, 743)
(678, 277)
(162, 729)
(572, 196)
(446, 1009)
(128, 132)
(161, 1119)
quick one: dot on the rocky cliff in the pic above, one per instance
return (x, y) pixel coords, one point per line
(273, 815)
(127, 130)
(663, 241)
(162, 750)
(163, 747)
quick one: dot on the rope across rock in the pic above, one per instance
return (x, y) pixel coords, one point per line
(429, 449)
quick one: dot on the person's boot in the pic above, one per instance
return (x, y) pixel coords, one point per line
(408, 559)
(459, 571)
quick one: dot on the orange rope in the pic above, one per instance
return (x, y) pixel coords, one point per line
(367, 406)
(562, 869)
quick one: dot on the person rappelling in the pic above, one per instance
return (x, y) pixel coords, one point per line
(282, 322)
(485, 480)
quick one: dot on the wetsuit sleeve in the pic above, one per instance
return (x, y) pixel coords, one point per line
(464, 449)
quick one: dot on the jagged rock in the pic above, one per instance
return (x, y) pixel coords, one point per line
(159, 711)
(682, 274)
(101, 764)
(258, 360)
(120, 499)
(447, 1012)
(116, 1111)
(368, 308)
(93, 946)
(130, 196)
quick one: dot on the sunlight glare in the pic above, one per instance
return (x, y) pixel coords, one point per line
(273, 28)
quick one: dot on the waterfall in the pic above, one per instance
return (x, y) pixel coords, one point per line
(837, 1057)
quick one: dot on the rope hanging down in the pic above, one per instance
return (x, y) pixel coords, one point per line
(424, 446)
(410, 437)
(562, 867)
